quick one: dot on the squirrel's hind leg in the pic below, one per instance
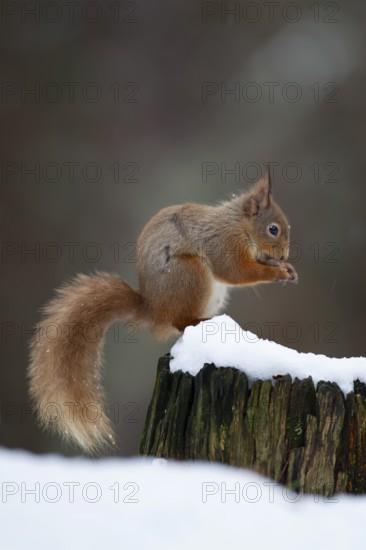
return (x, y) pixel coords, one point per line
(181, 300)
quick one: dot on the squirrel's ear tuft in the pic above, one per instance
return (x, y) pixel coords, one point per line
(260, 196)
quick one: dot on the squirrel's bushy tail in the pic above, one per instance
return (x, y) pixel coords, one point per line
(66, 356)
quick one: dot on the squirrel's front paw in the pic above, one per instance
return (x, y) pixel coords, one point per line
(287, 274)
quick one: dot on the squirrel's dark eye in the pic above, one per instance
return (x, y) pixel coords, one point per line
(273, 230)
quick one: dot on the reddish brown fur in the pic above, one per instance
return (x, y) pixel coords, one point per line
(66, 355)
(186, 256)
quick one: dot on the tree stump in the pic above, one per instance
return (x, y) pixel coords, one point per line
(312, 440)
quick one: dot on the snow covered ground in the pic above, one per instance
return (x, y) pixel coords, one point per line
(223, 342)
(49, 502)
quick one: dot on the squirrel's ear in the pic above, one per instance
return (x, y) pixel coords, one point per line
(260, 196)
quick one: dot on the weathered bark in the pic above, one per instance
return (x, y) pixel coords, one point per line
(310, 439)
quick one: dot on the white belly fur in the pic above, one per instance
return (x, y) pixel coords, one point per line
(217, 299)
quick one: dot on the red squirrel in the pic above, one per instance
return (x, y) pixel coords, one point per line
(188, 257)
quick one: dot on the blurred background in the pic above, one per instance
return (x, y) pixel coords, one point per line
(112, 111)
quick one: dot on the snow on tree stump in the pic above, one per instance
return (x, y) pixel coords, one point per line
(312, 439)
